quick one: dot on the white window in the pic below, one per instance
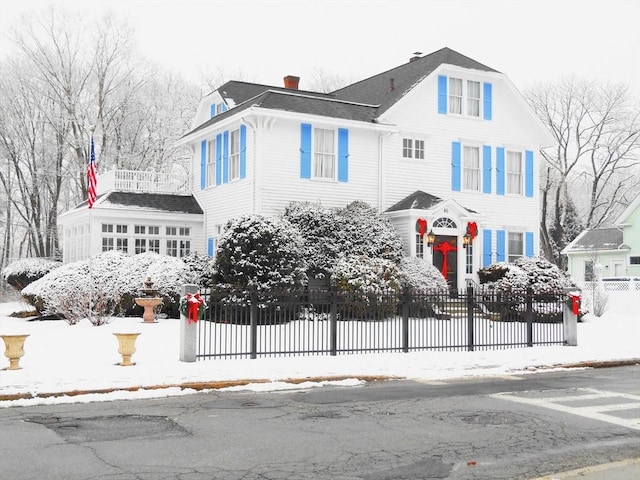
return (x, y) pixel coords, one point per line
(234, 154)
(185, 248)
(473, 98)
(419, 246)
(469, 258)
(107, 228)
(154, 246)
(514, 173)
(122, 244)
(471, 168)
(211, 163)
(172, 248)
(140, 245)
(154, 230)
(121, 228)
(107, 244)
(455, 95)
(171, 231)
(324, 153)
(139, 229)
(516, 246)
(184, 231)
(412, 148)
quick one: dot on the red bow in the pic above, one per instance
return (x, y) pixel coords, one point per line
(575, 303)
(421, 226)
(194, 301)
(472, 229)
(444, 248)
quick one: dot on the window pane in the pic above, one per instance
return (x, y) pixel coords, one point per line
(473, 98)
(407, 147)
(419, 149)
(471, 168)
(455, 95)
(515, 246)
(324, 141)
(514, 173)
(234, 155)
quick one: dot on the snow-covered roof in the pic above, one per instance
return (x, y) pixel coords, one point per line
(147, 201)
(596, 239)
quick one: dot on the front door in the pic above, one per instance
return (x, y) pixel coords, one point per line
(445, 259)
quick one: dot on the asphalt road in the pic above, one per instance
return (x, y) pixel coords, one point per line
(519, 427)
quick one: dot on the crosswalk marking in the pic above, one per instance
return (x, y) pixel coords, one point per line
(596, 412)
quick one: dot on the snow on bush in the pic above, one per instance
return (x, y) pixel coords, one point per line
(259, 253)
(417, 273)
(535, 272)
(22, 272)
(111, 281)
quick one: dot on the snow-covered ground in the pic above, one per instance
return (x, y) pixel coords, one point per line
(63, 360)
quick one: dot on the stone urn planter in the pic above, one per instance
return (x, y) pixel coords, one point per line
(14, 350)
(149, 300)
(126, 347)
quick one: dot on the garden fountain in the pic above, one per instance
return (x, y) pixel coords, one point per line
(149, 300)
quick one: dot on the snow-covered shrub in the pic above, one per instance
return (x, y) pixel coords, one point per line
(318, 227)
(535, 272)
(419, 274)
(363, 231)
(371, 284)
(22, 272)
(259, 254)
(200, 266)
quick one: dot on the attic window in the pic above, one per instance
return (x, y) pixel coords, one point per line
(464, 97)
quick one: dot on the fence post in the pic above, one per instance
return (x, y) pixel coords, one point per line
(253, 314)
(333, 325)
(569, 320)
(529, 316)
(470, 326)
(188, 331)
(405, 320)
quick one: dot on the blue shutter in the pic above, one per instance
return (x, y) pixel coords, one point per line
(225, 157)
(486, 247)
(218, 159)
(528, 173)
(500, 245)
(243, 151)
(486, 169)
(213, 110)
(487, 101)
(528, 244)
(210, 245)
(442, 94)
(343, 155)
(500, 172)
(223, 107)
(455, 166)
(305, 150)
(203, 164)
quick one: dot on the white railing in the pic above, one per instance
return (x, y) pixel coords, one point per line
(147, 182)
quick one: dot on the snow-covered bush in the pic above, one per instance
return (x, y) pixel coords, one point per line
(535, 272)
(260, 254)
(109, 281)
(419, 274)
(371, 284)
(318, 227)
(22, 272)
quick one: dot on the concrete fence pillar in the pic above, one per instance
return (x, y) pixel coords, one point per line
(188, 331)
(570, 319)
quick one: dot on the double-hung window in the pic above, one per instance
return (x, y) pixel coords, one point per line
(413, 148)
(471, 168)
(473, 98)
(514, 173)
(234, 154)
(516, 246)
(324, 153)
(455, 95)
(211, 163)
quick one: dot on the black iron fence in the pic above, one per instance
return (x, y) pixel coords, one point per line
(331, 323)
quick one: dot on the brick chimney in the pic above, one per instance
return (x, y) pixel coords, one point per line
(291, 82)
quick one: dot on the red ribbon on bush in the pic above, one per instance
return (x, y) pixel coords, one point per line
(472, 229)
(421, 226)
(575, 303)
(194, 302)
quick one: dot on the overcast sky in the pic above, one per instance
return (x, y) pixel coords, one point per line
(264, 40)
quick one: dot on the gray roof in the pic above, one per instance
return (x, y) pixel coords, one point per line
(362, 101)
(419, 200)
(597, 239)
(150, 201)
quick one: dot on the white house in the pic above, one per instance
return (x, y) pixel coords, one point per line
(616, 248)
(442, 144)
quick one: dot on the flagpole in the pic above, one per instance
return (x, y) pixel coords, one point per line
(91, 198)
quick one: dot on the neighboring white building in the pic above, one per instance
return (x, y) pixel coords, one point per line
(134, 212)
(442, 141)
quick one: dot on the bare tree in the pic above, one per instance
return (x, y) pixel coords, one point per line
(596, 131)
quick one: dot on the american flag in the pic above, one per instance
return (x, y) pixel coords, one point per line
(91, 176)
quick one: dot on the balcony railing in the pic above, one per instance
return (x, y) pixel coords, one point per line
(147, 182)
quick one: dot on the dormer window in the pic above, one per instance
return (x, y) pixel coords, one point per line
(464, 97)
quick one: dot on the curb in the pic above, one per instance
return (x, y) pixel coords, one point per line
(217, 385)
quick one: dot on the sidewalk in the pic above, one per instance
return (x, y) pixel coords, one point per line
(623, 470)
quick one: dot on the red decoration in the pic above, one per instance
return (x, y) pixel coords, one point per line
(575, 303)
(472, 229)
(194, 302)
(421, 226)
(444, 248)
